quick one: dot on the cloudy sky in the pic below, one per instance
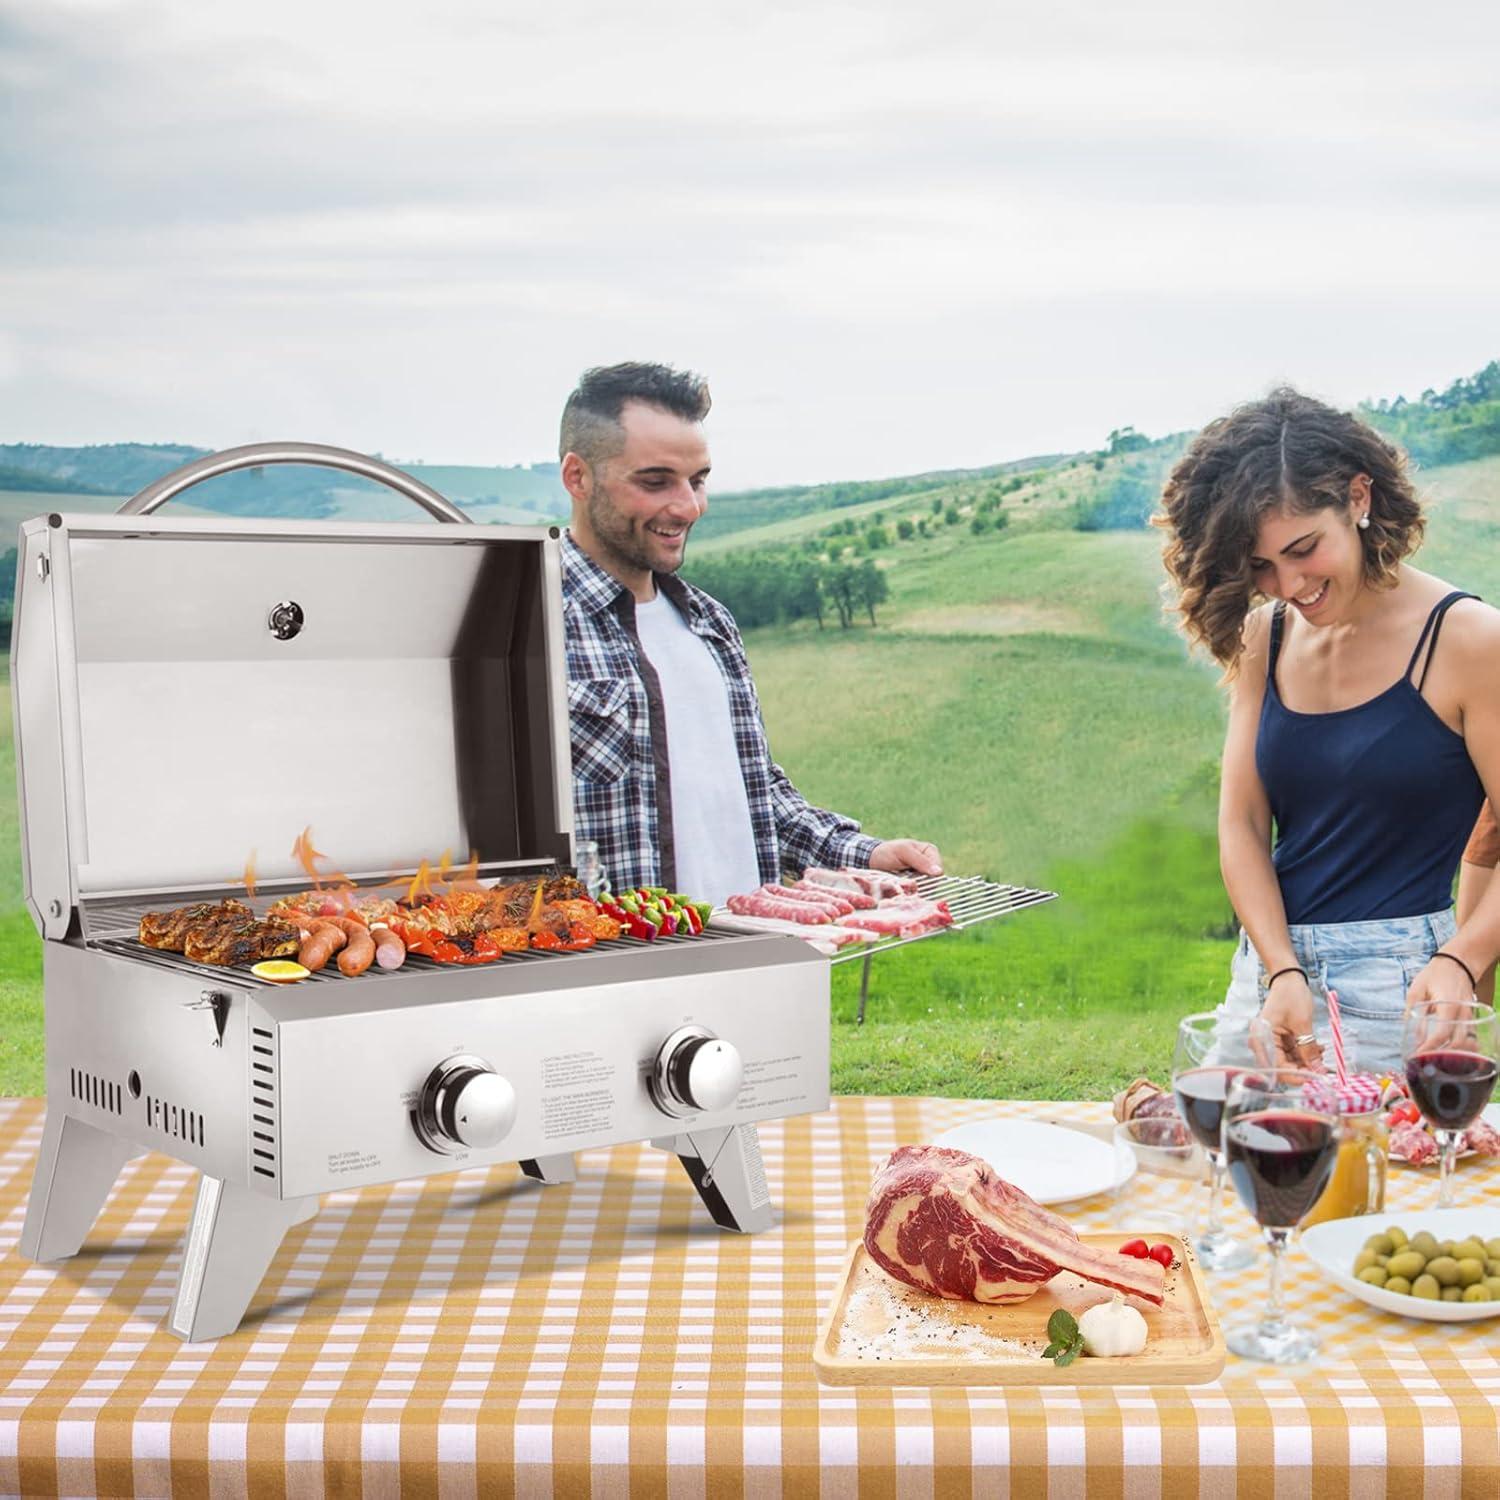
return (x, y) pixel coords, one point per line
(895, 237)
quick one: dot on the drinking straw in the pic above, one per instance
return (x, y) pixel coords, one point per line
(1338, 1037)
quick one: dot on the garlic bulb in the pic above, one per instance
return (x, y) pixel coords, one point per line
(1112, 1329)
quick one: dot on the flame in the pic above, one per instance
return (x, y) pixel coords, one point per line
(470, 872)
(419, 885)
(249, 877)
(308, 857)
(445, 865)
(536, 906)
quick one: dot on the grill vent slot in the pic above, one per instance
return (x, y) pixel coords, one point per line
(264, 1147)
(89, 1088)
(174, 1120)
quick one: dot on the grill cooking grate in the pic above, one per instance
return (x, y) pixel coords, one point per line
(130, 947)
(970, 899)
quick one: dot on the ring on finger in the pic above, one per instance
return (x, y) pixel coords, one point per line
(1304, 1041)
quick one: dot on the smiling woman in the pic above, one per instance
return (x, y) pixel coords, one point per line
(1360, 746)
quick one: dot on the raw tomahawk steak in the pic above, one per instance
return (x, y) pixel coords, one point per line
(940, 1220)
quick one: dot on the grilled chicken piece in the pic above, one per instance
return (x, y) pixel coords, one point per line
(241, 941)
(510, 905)
(168, 930)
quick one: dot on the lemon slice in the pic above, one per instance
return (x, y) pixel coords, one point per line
(279, 971)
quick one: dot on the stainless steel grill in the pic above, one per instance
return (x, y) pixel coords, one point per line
(189, 691)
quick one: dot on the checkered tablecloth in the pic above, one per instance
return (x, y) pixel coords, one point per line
(481, 1334)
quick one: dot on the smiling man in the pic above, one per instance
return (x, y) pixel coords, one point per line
(672, 776)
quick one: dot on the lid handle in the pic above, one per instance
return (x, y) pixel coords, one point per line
(255, 455)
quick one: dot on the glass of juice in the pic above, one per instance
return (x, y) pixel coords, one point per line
(1450, 1050)
(1212, 1050)
(1281, 1139)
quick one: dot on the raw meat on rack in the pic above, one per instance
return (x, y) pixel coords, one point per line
(758, 905)
(876, 883)
(831, 936)
(942, 1221)
(857, 900)
(836, 904)
(907, 917)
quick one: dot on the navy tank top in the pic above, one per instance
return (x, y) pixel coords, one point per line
(1373, 804)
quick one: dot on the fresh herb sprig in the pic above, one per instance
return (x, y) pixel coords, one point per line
(1067, 1341)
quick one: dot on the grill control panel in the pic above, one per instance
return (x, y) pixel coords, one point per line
(465, 1104)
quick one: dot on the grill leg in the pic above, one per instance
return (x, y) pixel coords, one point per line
(864, 985)
(726, 1168)
(231, 1242)
(75, 1170)
(551, 1169)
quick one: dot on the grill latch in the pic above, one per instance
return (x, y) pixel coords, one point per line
(218, 1002)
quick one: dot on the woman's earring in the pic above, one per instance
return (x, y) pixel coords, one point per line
(1364, 522)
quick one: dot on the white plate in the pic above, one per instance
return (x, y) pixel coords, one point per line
(1335, 1244)
(1047, 1162)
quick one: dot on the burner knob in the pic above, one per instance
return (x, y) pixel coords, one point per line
(696, 1070)
(465, 1104)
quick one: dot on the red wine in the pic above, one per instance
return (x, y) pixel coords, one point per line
(1280, 1161)
(1450, 1088)
(1200, 1100)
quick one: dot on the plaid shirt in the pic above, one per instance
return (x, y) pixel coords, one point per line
(621, 769)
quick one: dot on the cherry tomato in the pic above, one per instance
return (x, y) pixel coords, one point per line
(1138, 1248)
(1162, 1255)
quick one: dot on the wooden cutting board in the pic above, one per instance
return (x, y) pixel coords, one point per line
(873, 1322)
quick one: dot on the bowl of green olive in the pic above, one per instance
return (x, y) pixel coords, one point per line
(1438, 1264)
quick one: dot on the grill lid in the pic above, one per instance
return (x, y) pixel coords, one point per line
(191, 691)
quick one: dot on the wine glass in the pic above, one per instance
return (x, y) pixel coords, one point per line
(1450, 1050)
(1281, 1140)
(1211, 1051)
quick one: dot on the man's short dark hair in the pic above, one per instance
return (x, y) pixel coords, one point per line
(591, 417)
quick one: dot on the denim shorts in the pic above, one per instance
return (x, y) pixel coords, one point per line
(1371, 966)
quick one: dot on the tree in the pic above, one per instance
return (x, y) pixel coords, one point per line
(877, 537)
(1127, 440)
(905, 530)
(871, 587)
(950, 516)
(980, 524)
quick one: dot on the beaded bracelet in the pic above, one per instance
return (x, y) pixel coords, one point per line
(1454, 958)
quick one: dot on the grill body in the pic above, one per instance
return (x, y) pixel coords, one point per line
(187, 691)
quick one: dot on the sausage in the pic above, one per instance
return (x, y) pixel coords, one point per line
(390, 951)
(321, 939)
(359, 952)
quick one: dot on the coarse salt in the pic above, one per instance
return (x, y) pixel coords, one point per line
(883, 1320)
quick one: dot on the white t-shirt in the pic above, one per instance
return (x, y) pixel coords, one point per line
(711, 832)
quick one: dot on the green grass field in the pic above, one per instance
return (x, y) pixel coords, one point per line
(1023, 702)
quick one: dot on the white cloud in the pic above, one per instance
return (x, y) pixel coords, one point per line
(893, 238)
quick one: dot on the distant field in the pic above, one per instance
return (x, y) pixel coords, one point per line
(1023, 702)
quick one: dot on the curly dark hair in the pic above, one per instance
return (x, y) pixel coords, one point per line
(1286, 451)
(591, 415)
